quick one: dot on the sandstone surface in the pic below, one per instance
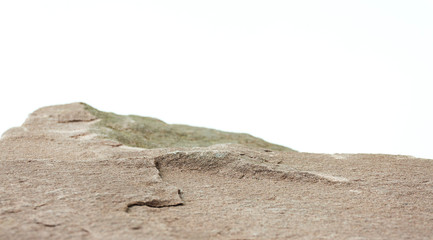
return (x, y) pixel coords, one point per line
(62, 178)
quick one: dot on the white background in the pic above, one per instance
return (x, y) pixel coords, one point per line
(316, 76)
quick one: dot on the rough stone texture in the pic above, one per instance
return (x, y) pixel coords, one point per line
(58, 180)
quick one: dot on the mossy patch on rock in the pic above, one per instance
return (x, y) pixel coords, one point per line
(146, 132)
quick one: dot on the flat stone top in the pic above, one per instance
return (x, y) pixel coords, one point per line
(59, 180)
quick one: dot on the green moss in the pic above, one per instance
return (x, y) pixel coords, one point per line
(146, 132)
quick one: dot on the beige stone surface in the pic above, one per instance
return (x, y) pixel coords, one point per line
(58, 180)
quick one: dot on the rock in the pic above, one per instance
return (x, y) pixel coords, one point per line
(64, 176)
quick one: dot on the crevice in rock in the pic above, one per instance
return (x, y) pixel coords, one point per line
(158, 167)
(76, 120)
(46, 224)
(152, 203)
(79, 135)
(40, 205)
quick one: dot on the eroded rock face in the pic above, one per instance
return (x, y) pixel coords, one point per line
(59, 180)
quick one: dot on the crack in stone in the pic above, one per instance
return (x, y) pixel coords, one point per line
(152, 203)
(76, 120)
(46, 224)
